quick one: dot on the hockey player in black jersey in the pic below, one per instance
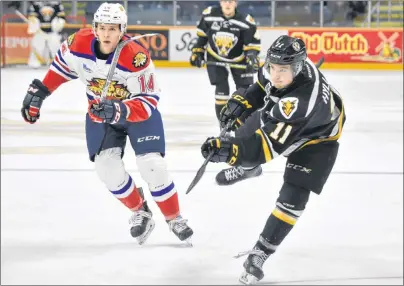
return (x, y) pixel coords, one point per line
(301, 117)
(227, 36)
(46, 19)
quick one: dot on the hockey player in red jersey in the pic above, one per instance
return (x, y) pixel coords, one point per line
(130, 110)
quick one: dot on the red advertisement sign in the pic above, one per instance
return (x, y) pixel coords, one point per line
(353, 45)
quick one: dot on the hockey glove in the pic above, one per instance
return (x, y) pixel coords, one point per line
(108, 111)
(32, 103)
(225, 149)
(237, 107)
(253, 62)
(197, 57)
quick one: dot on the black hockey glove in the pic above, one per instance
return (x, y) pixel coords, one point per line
(32, 102)
(237, 107)
(197, 57)
(253, 62)
(225, 149)
(108, 111)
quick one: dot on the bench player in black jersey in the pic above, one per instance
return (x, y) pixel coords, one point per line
(228, 36)
(292, 111)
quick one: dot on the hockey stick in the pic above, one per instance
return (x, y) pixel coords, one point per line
(202, 169)
(114, 61)
(229, 65)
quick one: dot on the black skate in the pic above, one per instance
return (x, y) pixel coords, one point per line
(142, 224)
(180, 228)
(253, 266)
(236, 174)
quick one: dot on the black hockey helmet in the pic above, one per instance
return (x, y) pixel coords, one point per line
(287, 50)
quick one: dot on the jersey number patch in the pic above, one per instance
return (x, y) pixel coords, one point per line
(146, 83)
(281, 128)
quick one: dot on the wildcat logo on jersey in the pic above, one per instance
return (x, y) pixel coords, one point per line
(288, 106)
(139, 60)
(224, 42)
(115, 90)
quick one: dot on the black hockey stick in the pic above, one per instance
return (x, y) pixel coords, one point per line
(202, 169)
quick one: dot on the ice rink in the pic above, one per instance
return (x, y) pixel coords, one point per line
(60, 225)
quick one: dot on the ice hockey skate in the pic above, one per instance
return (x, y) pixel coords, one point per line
(253, 266)
(180, 228)
(142, 224)
(236, 174)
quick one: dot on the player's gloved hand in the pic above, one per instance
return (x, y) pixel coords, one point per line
(237, 107)
(253, 62)
(197, 57)
(32, 102)
(225, 149)
(107, 111)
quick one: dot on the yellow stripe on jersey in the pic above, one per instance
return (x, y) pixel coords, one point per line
(265, 146)
(220, 102)
(332, 138)
(263, 88)
(248, 48)
(284, 216)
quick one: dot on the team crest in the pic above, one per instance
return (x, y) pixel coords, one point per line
(115, 89)
(288, 106)
(139, 60)
(296, 46)
(250, 20)
(70, 39)
(224, 42)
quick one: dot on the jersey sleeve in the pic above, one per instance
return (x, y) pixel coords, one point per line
(202, 29)
(252, 39)
(145, 93)
(61, 69)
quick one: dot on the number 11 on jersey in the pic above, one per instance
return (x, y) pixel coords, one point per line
(276, 133)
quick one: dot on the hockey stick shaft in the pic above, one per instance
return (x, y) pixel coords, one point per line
(115, 59)
(230, 65)
(202, 169)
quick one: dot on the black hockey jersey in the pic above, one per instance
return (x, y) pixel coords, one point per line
(46, 11)
(227, 38)
(309, 111)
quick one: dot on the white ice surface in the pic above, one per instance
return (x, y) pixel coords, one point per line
(59, 224)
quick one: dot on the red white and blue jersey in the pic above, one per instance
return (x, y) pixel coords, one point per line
(133, 82)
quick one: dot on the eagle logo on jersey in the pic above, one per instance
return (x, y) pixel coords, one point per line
(224, 42)
(70, 39)
(139, 60)
(288, 106)
(115, 90)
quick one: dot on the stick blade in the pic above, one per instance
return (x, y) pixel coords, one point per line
(197, 178)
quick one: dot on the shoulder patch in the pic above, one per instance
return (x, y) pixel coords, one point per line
(250, 19)
(139, 60)
(288, 106)
(257, 35)
(207, 11)
(70, 39)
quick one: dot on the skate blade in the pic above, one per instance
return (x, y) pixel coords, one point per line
(188, 241)
(142, 238)
(248, 279)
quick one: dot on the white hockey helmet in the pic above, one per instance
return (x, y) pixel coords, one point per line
(111, 13)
